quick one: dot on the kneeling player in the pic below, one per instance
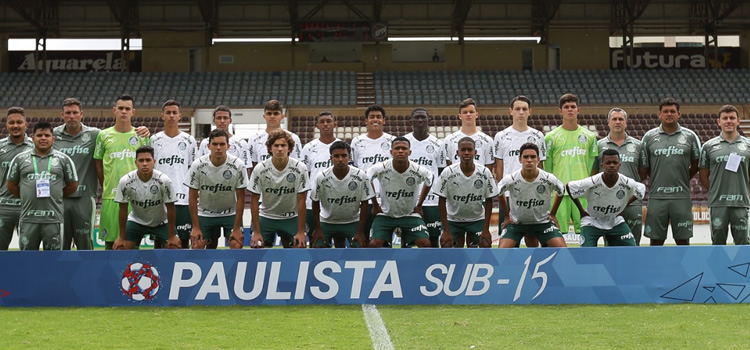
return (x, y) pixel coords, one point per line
(342, 192)
(217, 183)
(283, 183)
(401, 205)
(466, 190)
(608, 194)
(531, 191)
(151, 195)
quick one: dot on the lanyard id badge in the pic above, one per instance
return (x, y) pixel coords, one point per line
(42, 185)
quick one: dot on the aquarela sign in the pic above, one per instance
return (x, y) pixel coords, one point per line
(73, 61)
(674, 58)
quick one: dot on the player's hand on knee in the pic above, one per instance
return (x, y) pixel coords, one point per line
(236, 238)
(300, 241)
(359, 241)
(174, 242)
(119, 244)
(446, 240)
(554, 221)
(485, 240)
(256, 241)
(317, 240)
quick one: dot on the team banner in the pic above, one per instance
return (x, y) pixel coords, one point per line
(614, 275)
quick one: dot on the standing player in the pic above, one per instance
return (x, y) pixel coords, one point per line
(467, 112)
(284, 182)
(629, 149)
(152, 196)
(372, 148)
(217, 183)
(571, 151)
(509, 141)
(400, 181)
(669, 155)
(466, 190)
(723, 170)
(531, 192)
(237, 146)
(316, 156)
(174, 152)
(340, 194)
(608, 194)
(115, 156)
(16, 142)
(41, 177)
(429, 152)
(273, 113)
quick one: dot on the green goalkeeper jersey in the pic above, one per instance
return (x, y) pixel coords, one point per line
(570, 154)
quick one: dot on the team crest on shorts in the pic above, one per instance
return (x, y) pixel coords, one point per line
(227, 174)
(717, 221)
(582, 138)
(384, 145)
(620, 194)
(741, 146)
(631, 148)
(182, 146)
(540, 189)
(682, 139)
(352, 185)
(478, 184)
(430, 149)
(86, 137)
(410, 181)
(291, 177)
(133, 140)
(154, 189)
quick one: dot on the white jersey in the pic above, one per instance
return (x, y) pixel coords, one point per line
(258, 151)
(367, 152)
(173, 156)
(340, 199)
(530, 201)
(147, 198)
(399, 191)
(279, 189)
(316, 156)
(605, 203)
(483, 144)
(237, 148)
(465, 195)
(429, 153)
(217, 185)
(508, 144)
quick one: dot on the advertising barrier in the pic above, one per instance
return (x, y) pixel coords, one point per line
(612, 275)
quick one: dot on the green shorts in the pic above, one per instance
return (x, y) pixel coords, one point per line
(79, 215)
(109, 220)
(618, 236)
(309, 223)
(184, 223)
(212, 226)
(568, 211)
(470, 229)
(31, 234)
(433, 222)
(633, 215)
(661, 212)
(9, 217)
(412, 228)
(134, 232)
(722, 217)
(285, 228)
(331, 231)
(543, 232)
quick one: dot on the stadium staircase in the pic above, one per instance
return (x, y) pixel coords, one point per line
(365, 89)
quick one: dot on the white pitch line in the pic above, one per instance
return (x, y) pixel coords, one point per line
(379, 335)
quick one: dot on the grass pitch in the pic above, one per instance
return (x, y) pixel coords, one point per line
(683, 326)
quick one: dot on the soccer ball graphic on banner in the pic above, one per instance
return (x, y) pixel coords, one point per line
(140, 282)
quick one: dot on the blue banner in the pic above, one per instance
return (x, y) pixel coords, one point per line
(611, 275)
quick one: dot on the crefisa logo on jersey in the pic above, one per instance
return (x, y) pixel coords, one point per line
(582, 138)
(291, 177)
(540, 189)
(620, 194)
(227, 174)
(430, 149)
(140, 282)
(182, 146)
(154, 189)
(478, 184)
(133, 140)
(352, 185)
